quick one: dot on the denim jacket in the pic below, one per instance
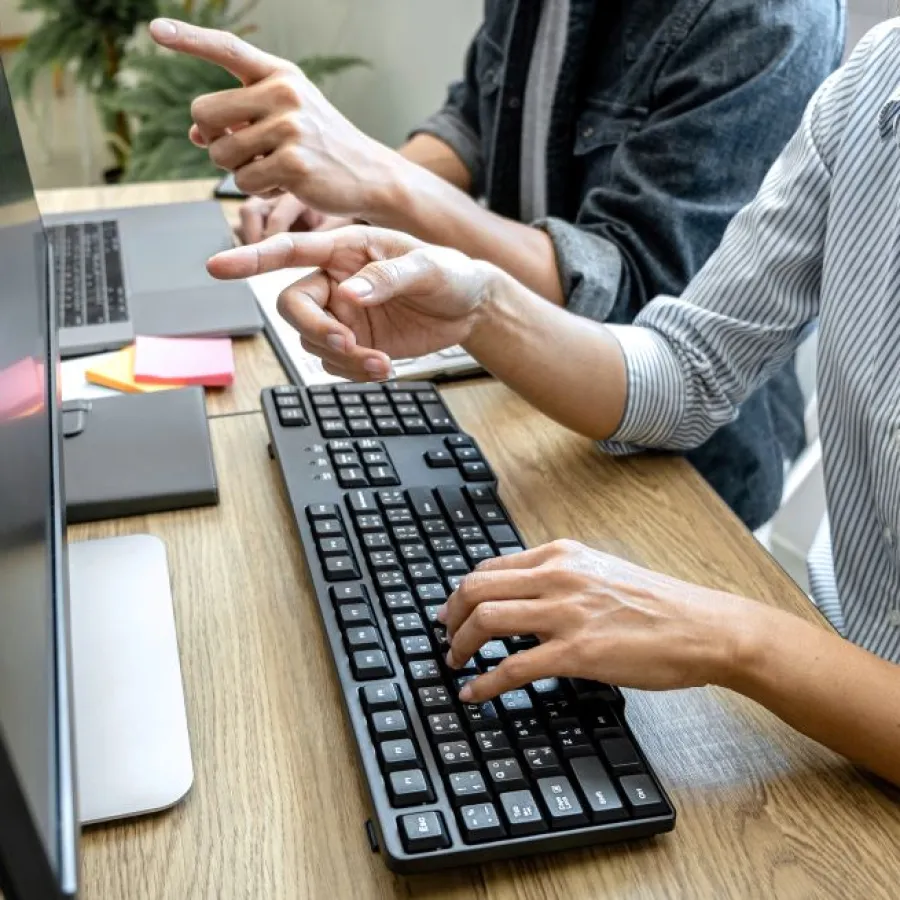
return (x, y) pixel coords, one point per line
(667, 115)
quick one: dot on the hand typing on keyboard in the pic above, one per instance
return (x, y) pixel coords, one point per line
(598, 618)
(341, 310)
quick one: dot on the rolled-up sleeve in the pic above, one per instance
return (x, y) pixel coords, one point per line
(691, 361)
(457, 122)
(650, 219)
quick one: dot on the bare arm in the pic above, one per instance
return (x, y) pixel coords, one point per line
(440, 159)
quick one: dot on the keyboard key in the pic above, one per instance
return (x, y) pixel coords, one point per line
(475, 553)
(366, 524)
(407, 624)
(513, 548)
(515, 701)
(402, 396)
(466, 454)
(409, 787)
(422, 573)
(351, 478)
(492, 652)
(458, 440)
(399, 602)
(456, 506)
(414, 425)
(642, 795)
(480, 823)
(470, 534)
(431, 613)
(438, 419)
(392, 499)
(621, 756)
(327, 528)
(455, 756)
(333, 547)
(467, 787)
(355, 412)
(322, 511)
(443, 545)
(502, 535)
(399, 517)
(505, 774)
(521, 813)
(414, 552)
(388, 426)
(364, 638)
(435, 528)
(543, 688)
(415, 647)
(383, 561)
(343, 594)
(398, 755)
(604, 804)
(529, 731)
(376, 540)
(371, 664)
(492, 744)
(602, 722)
(353, 614)
(439, 459)
(561, 801)
(287, 401)
(380, 411)
(405, 534)
(333, 428)
(481, 715)
(423, 832)
(476, 471)
(490, 513)
(329, 412)
(453, 565)
(390, 724)
(377, 697)
(292, 417)
(423, 502)
(424, 672)
(382, 476)
(428, 593)
(574, 742)
(362, 503)
(443, 726)
(340, 568)
(540, 761)
(349, 398)
(391, 581)
(596, 691)
(346, 459)
(561, 714)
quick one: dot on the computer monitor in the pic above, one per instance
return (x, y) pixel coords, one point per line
(38, 815)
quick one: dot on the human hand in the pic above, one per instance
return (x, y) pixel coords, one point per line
(262, 218)
(278, 132)
(376, 295)
(597, 617)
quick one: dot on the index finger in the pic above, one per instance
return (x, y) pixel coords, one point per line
(247, 63)
(283, 251)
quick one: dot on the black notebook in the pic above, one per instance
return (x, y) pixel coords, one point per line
(137, 454)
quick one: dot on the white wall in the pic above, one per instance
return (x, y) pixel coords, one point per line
(865, 14)
(416, 49)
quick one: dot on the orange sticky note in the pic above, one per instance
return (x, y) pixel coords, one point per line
(206, 361)
(117, 372)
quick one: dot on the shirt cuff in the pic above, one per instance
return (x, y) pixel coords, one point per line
(451, 128)
(656, 391)
(590, 268)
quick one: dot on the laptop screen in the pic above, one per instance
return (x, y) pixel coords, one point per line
(34, 727)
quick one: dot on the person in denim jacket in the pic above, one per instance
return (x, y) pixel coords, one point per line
(609, 145)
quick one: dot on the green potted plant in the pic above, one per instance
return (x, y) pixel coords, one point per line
(157, 86)
(90, 37)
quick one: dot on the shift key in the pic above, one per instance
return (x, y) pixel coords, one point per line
(604, 803)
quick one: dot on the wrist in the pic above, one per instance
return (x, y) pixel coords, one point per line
(388, 192)
(740, 635)
(488, 314)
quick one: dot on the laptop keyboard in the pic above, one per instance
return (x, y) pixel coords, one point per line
(394, 505)
(88, 274)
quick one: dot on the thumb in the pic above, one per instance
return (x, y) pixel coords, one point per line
(378, 282)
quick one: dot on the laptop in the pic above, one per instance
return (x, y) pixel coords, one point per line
(141, 270)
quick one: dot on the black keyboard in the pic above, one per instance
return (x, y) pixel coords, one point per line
(394, 505)
(88, 279)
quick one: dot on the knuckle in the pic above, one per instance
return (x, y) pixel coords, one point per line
(219, 152)
(283, 89)
(514, 668)
(483, 616)
(198, 108)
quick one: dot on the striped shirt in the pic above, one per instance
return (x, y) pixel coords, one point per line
(820, 243)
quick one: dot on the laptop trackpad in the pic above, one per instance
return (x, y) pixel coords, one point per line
(158, 259)
(205, 310)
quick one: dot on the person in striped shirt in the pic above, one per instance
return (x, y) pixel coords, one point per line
(820, 243)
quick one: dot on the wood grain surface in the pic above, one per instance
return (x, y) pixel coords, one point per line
(278, 807)
(256, 366)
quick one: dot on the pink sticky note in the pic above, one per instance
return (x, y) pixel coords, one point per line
(206, 361)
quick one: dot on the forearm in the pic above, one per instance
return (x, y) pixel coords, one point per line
(439, 158)
(571, 369)
(822, 685)
(434, 208)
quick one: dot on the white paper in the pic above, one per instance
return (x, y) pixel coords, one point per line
(74, 384)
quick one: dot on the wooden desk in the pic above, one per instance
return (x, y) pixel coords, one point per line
(256, 366)
(277, 810)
